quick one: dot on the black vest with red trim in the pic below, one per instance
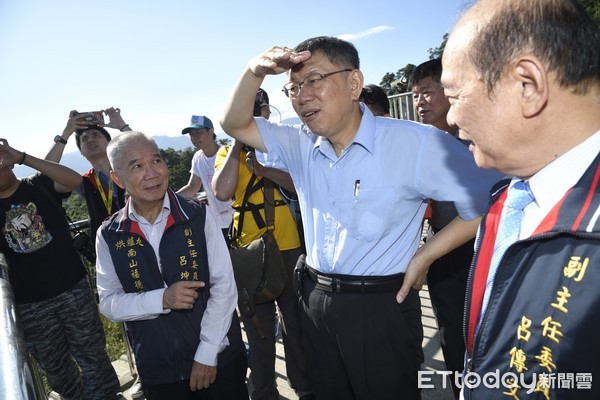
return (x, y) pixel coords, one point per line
(544, 309)
(165, 346)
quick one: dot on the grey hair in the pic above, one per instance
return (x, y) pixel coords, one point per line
(559, 32)
(117, 148)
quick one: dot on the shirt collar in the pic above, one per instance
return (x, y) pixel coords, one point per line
(134, 216)
(551, 183)
(364, 137)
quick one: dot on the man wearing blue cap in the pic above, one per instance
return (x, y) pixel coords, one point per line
(202, 136)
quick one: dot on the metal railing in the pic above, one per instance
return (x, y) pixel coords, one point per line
(401, 106)
(20, 378)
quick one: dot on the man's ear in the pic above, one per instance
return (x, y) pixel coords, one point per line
(530, 72)
(116, 179)
(356, 83)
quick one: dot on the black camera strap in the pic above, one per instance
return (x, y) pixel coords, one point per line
(268, 205)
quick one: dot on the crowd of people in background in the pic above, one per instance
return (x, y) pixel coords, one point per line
(505, 153)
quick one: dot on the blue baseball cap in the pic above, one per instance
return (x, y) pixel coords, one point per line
(198, 122)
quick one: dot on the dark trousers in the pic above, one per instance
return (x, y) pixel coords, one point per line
(262, 351)
(68, 343)
(362, 346)
(447, 284)
(230, 384)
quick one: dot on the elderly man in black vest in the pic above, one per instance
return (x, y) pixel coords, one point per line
(164, 268)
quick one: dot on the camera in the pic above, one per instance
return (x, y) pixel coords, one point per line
(90, 118)
(84, 246)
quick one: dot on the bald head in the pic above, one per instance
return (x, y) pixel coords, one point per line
(523, 81)
(558, 32)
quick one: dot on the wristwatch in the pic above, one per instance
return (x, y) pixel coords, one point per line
(59, 139)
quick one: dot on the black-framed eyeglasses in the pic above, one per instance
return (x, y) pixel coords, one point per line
(314, 80)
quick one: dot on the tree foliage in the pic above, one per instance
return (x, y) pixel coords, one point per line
(397, 83)
(592, 7)
(437, 52)
(179, 162)
(76, 207)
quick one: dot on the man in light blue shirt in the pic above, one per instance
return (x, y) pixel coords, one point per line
(362, 183)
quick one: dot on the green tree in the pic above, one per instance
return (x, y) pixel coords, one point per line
(76, 207)
(387, 83)
(179, 162)
(397, 83)
(437, 52)
(592, 7)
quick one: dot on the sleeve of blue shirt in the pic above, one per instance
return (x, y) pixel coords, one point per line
(447, 172)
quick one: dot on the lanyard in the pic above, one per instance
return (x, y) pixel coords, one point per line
(106, 200)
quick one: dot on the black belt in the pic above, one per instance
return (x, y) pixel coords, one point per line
(356, 284)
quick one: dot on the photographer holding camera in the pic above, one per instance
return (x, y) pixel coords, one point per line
(54, 302)
(102, 196)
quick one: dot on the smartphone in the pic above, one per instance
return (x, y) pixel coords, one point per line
(90, 118)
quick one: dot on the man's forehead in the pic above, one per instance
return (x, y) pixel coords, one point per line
(141, 154)
(199, 130)
(426, 84)
(91, 132)
(318, 62)
(447, 80)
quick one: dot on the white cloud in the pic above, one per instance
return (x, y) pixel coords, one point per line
(373, 31)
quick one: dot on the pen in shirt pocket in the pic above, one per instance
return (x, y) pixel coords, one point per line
(356, 187)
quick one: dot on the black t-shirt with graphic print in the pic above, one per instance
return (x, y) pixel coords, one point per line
(37, 243)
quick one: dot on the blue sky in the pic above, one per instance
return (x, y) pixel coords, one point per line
(163, 61)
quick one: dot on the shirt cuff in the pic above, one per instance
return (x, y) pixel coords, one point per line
(207, 353)
(155, 301)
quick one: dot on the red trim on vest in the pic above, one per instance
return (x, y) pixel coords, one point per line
(482, 267)
(90, 176)
(135, 228)
(588, 199)
(170, 221)
(550, 220)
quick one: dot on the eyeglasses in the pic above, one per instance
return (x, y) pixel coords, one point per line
(315, 81)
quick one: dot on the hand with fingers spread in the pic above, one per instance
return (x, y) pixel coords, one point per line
(202, 376)
(181, 295)
(455, 234)
(276, 61)
(73, 125)
(115, 120)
